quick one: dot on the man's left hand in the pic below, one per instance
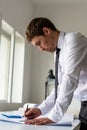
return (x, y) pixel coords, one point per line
(39, 121)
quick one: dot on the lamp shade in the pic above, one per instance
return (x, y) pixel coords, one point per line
(50, 76)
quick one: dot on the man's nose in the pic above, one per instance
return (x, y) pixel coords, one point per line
(41, 48)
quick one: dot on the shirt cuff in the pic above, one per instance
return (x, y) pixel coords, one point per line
(43, 108)
(55, 117)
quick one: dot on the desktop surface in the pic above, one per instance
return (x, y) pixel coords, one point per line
(15, 126)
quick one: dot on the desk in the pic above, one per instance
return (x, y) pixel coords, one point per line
(15, 126)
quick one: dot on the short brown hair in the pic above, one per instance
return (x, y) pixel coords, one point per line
(35, 27)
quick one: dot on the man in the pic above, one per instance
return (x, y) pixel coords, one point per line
(72, 71)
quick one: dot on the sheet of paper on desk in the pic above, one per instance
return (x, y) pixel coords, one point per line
(67, 120)
(11, 117)
(16, 117)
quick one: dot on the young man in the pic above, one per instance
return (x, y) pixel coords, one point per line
(72, 70)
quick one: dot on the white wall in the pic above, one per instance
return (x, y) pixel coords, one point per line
(41, 63)
(65, 17)
(18, 13)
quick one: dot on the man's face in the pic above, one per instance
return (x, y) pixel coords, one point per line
(45, 42)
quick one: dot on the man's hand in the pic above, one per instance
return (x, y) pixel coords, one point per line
(39, 121)
(32, 113)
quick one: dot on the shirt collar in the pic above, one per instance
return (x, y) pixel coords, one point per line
(60, 40)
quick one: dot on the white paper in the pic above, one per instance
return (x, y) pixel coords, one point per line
(67, 120)
(13, 120)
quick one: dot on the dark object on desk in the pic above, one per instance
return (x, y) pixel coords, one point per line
(49, 78)
(12, 116)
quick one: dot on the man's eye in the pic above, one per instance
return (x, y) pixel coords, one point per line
(38, 44)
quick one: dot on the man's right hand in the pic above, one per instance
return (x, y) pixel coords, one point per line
(32, 113)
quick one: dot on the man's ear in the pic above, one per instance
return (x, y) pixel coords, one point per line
(46, 31)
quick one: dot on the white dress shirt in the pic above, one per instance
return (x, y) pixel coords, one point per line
(72, 75)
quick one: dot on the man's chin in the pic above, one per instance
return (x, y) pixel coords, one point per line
(50, 51)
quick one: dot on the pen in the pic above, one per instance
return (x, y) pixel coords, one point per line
(26, 109)
(25, 112)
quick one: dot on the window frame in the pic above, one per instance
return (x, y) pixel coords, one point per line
(11, 70)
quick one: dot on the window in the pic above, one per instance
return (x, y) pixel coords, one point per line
(11, 64)
(18, 68)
